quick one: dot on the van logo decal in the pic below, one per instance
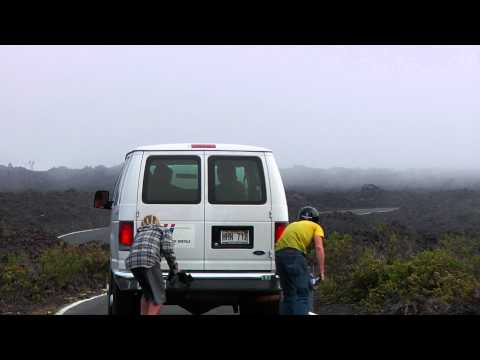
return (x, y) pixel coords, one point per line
(170, 228)
(184, 235)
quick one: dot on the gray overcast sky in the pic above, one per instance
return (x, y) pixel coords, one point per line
(322, 106)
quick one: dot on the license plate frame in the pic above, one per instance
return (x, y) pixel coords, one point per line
(236, 241)
(234, 237)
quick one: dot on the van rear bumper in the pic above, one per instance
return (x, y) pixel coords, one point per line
(211, 285)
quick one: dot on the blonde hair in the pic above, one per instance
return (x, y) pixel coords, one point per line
(150, 220)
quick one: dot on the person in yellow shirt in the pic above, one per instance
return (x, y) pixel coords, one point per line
(291, 263)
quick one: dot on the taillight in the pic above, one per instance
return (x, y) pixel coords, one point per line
(125, 233)
(279, 229)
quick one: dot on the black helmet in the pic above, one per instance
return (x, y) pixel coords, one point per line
(309, 213)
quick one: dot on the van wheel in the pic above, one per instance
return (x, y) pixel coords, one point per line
(124, 303)
(109, 297)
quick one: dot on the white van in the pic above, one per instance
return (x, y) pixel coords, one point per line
(225, 206)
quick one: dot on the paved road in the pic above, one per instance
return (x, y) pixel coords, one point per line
(98, 306)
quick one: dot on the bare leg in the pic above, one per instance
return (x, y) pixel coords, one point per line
(143, 306)
(152, 308)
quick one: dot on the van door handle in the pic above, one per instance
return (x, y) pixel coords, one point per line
(259, 252)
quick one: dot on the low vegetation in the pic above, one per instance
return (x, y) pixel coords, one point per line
(390, 279)
(28, 281)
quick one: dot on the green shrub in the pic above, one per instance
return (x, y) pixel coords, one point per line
(435, 274)
(366, 274)
(328, 292)
(17, 280)
(441, 275)
(340, 257)
(59, 266)
(64, 265)
(384, 279)
(339, 253)
(96, 262)
(26, 280)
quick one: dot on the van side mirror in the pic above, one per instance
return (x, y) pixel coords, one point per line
(102, 200)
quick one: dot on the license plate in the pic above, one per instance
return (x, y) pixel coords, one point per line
(234, 237)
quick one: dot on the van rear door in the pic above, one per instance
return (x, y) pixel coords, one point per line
(170, 187)
(238, 228)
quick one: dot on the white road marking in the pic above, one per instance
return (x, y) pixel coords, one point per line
(80, 232)
(84, 236)
(68, 307)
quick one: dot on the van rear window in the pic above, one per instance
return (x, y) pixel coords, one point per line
(172, 180)
(236, 180)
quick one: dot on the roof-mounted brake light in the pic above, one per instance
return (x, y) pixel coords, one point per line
(203, 146)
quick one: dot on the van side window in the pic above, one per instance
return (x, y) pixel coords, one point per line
(115, 191)
(119, 182)
(172, 180)
(236, 180)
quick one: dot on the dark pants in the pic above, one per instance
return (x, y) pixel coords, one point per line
(293, 270)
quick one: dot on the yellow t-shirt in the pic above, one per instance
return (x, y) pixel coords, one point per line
(299, 235)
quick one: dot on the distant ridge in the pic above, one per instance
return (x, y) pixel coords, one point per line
(13, 179)
(302, 177)
(298, 177)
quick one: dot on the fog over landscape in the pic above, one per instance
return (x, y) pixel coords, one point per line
(298, 178)
(396, 108)
(382, 140)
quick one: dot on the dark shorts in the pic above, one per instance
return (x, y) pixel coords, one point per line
(152, 283)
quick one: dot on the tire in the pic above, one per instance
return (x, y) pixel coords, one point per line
(123, 303)
(109, 296)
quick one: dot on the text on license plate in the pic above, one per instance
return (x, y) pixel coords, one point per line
(234, 236)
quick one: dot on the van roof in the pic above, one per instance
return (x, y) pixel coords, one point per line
(185, 147)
